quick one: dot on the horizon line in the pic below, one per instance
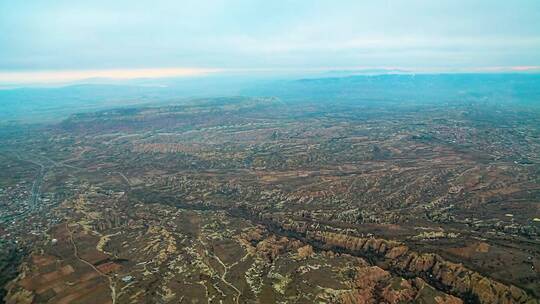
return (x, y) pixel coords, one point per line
(67, 76)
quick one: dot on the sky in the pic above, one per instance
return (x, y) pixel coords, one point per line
(48, 39)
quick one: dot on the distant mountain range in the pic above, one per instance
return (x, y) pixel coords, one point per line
(51, 104)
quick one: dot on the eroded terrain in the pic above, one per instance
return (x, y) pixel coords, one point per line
(254, 200)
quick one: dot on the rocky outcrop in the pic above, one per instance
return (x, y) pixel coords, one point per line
(305, 251)
(376, 285)
(396, 257)
(268, 247)
(449, 276)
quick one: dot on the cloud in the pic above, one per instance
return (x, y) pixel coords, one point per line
(99, 34)
(37, 77)
(528, 68)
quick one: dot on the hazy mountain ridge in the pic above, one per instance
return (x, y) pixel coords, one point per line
(52, 104)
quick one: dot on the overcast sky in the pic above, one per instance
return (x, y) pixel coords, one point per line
(52, 35)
